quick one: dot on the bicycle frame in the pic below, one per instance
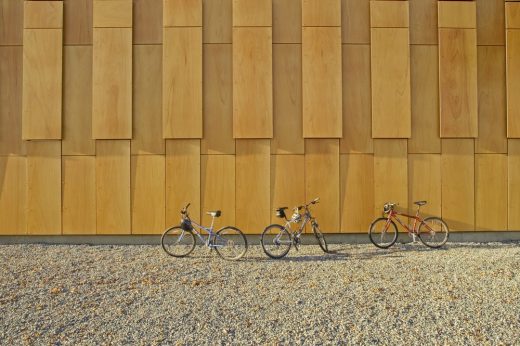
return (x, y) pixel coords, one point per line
(306, 218)
(209, 230)
(417, 220)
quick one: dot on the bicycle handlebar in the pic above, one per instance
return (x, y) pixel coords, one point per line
(185, 209)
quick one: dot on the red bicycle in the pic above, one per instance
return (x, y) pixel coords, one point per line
(432, 231)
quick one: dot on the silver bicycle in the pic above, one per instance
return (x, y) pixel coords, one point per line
(179, 241)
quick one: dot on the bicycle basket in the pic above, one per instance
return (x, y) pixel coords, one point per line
(387, 207)
(186, 225)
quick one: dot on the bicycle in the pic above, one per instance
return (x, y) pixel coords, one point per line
(432, 231)
(277, 239)
(179, 241)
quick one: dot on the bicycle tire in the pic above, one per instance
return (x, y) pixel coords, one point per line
(188, 245)
(372, 233)
(424, 239)
(321, 238)
(227, 239)
(267, 242)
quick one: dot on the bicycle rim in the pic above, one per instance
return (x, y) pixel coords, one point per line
(177, 242)
(230, 243)
(276, 241)
(433, 232)
(381, 234)
(321, 239)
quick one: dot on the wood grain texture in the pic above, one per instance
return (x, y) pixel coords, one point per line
(147, 100)
(356, 192)
(457, 14)
(77, 19)
(79, 194)
(44, 187)
(77, 101)
(218, 25)
(321, 12)
(112, 14)
(182, 83)
(42, 84)
(513, 82)
(492, 118)
(253, 207)
(424, 183)
(490, 22)
(512, 15)
(357, 116)
(458, 82)
(147, 22)
(423, 22)
(322, 180)
(425, 100)
(182, 13)
(513, 185)
(11, 29)
(252, 83)
(287, 98)
(113, 187)
(287, 183)
(13, 195)
(287, 21)
(322, 84)
(43, 14)
(355, 21)
(490, 192)
(218, 188)
(389, 14)
(458, 183)
(391, 103)
(147, 195)
(112, 83)
(252, 13)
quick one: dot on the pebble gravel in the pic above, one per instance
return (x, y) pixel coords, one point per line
(464, 294)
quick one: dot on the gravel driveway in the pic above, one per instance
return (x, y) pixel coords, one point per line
(465, 294)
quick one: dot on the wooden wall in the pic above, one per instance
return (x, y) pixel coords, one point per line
(115, 113)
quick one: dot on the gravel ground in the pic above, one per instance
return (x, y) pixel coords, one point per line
(464, 294)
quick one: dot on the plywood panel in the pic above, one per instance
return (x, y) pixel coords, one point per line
(252, 13)
(112, 14)
(147, 22)
(42, 82)
(492, 123)
(322, 85)
(113, 187)
(77, 101)
(182, 13)
(423, 22)
(457, 14)
(513, 82)
(287, 21)
(43, 14)
(13, 195)
(321, 12)
(457, 187)
(458, 82)
(390, 174)
(218, 188)
(148, 194)
(357, 117)
(79, 194)
(287, 98)
(490, 192)
(147, 100)
(112, 83)
(424, 183)
(252, 83)
(182, 83)
(44, 187)
(11, 30)
(322, 180)
(513, 185)
(391, 104)
(253, 211)
(217, 21)
(425, 100)
(490, 22)
(287, 183)
(78, 22)
(389, 14)
(182, 178)
(512, 15)
(356, 192)
(218, 100)
(355, 21)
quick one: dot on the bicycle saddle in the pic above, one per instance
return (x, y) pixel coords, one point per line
(420, 203)
(215, 213)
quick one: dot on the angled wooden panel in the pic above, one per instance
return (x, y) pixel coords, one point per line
(287, 98)
(425, 100)
(43, 187)
(253, 211)
(77, 101)
(513, 185)
(321, 77)
(79, 194)
(182, 83)
(355, 21)
(13, 195)
(42, 84)
(490, 192)
(148, 194)
(457, 14)
(356, 192)
(218, 100)
(424, 183)
(43, 14)
(391, 104)
(457, 184)
(218, 188)
(458, 82)
(492, 119)
(112, 14)
(423, 22)
(182, 13)
(147, 22)
(357, 117)
(113, 187)
(217, 21)
(322, 180)
(513, 82)
(389, 14)
(321, 12)
(147, 100)
(287, 183)
(11, 101)
(252, 83)
(252, 13)
(287, 21)
(77, 22)
(512, 15)
(490, 22)
(11, 27)
(182, 178)
(390, 174)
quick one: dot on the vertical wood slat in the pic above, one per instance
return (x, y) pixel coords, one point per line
(423, 22)
(355, 21)
(11, 27)
(490, 23)
(13, 195)
(148, 22)
(513, 68)
(287, 183)
(217, 16)
(78, 22)
(321, 12)
(424, 183)
(513, 185)
(287, 21)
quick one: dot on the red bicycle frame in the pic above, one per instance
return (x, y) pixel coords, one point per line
(393, 215)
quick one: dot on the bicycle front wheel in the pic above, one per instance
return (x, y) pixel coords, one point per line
(230, 243)
(276, 241)
(178, 242)
(383, 233)
(434, 232)
(321, 238)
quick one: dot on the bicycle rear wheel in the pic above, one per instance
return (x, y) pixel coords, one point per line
(321, 238)
(178, 242)
(276, 241)
(230, 243)
(383, 233)
(434, 232)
